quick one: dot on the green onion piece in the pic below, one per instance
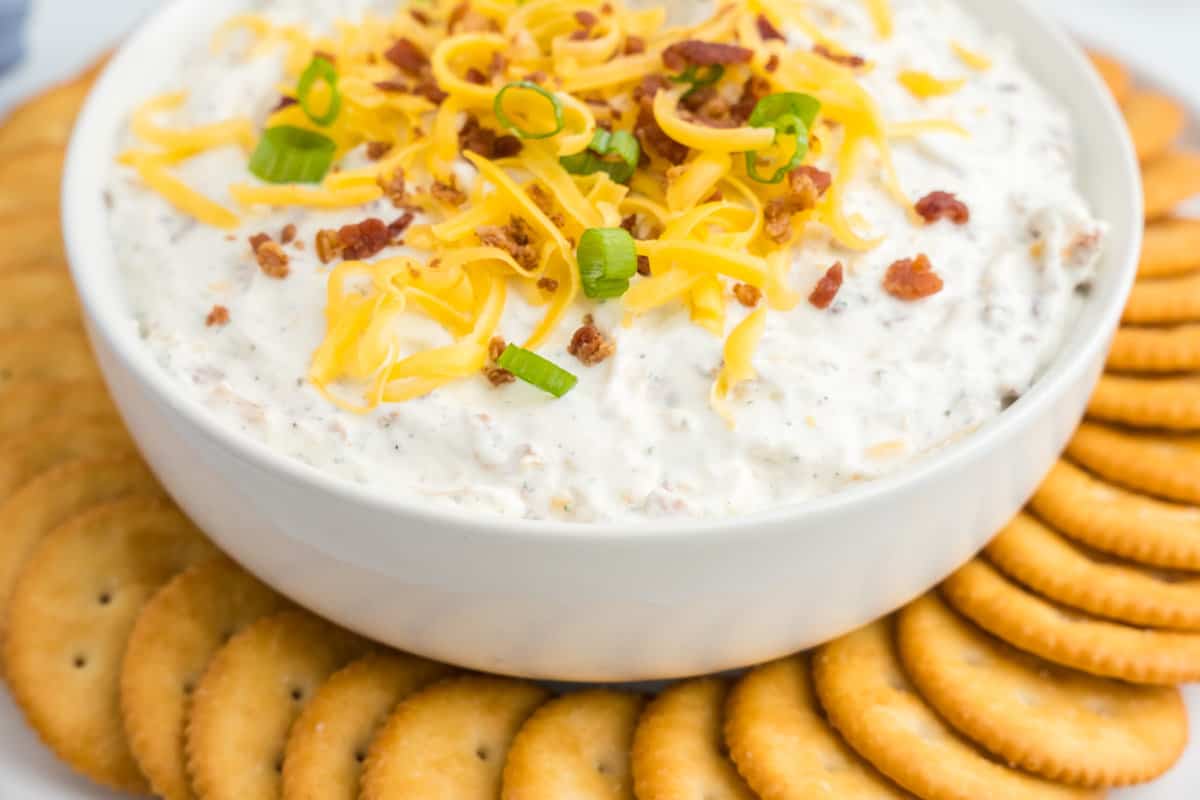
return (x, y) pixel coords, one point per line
(621, 144)
(319, 69)
(506, 121)
(607, 260)
(712, 73)
(287, 154)
(532, 368)
(790, 114)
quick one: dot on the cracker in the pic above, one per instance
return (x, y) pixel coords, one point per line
(55, 496)
(1162, 465)
(69, 619)
(253, 690)
(33, 239)
(1115, 75)
(1067, 637)
(26, 403)
(176, 634)
(1170, 247)
(38, 298)
(1156, 350)
(1061, 724)
(678, 748)
(1115, 521)
(47, 119)
(25, 455)
(1053, 566)
(784, 747)
(575, 747)
(31, 185)
(863, 688)
(1164, 301)
(328, 742)
(61, 353)
(1155, 122)
(449, 740)
(1170, 403)
(1168, 182)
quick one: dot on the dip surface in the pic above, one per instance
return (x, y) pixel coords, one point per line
(844, 394)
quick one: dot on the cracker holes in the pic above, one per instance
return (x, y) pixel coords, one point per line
(79, 661)
(603, 768)
(482, 753)
(297, 694)
(360, 756)
(104, 598)
(279, 765)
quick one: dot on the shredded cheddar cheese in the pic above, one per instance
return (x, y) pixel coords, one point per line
(922, 85)
(973, 59)
(705, 217)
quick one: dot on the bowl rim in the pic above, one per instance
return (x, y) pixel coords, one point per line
(88, 239)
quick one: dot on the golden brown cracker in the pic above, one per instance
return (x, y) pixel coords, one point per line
(449, 740)
(31, 239)
(1170, 247)
(31, 184)
(1164, 465)
(678, 747)
(1165, 301)
(328, 742)
(1115, 521)
(576, 746)
(1155, 349)
(1168, 182)
(1067, 637)
(46, 119)
(1115, 75)
(1064, 725)
(26, 403)
(783, 746)
(23, 456)
(69, 619)
(248, 698)
(1168, 403)
(60, 353)
(869, 700)
(37, 298)
(55, 496)
(1155, 123)
(175, 636)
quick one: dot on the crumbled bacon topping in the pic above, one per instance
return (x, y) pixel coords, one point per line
(806, 185)
(364, 239)
(768, 31)
(427, 87)
(288, 234)
(641, 227)
(475, 76)
(586, 19)
(218, 316)
(328, 245)
(943, 205)
(647, 130)
(400, 224)
(420, 16)
(486, 142)
(772, 62)
(464, 19)
(448, 193)
(515, 238)
(392, 86)
(497, 376)
(377, 150)
(407, 57)
(393, 186)
(589, 345)
(272, 260)
(548, 285)
(545, 203)
(695, 51)
(827, 288)
(634, 45)
(643, 266)
(284, 102)
(912, 279)
(754, 89)
(258, 240)
(845, 59)
(746, 294)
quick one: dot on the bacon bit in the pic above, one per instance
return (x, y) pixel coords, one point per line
(545, 203)
(515, 238)
(746, 294)
(912, 279)
(827, 288)
(754, 89)
(943, 205)
(634, 45)
(806, 186)
(537, 77)
(643, 266)
(258, 240)
(772, 62)
(497, 64)
(364, 239)
(399, 225)
(377, 150)
(768, 31)
(475, 76)
(485, 142)
(589, 345)
(448, 193)
(325, 54)
(218, 316)
(496, 347)
(548, 285)
(420, 16)
(392, 87)
(845, 59)
(329, 246)
(653, 137)
(407, 57)
(703, 54)
(497, 376)
(463, 19)
(272, 260)
(288, 234)
(283, 103)
(586, 19)
(429, 89)
(641, 228)
(393, 186)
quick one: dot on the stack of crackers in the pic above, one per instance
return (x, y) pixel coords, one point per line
(1043, 669)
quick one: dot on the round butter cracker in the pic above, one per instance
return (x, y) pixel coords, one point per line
(28, 402)
(25, 455)
(1168, 403)
(47, 118)
(864, 690)
(1164, 301)
(1162, 465)
(31, 185)
(1061, 724)
(1170, 247)
(783, 746)
(32, 240)
(1155, 123)
(1168, 182)
(1115, 75)
(69, 619)
(575, 746)
(61, 353)
(1174, 348)
(38, 298)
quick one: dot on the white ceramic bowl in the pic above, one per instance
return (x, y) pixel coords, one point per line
(596, 602)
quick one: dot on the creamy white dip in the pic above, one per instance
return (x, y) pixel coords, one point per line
(845, 394)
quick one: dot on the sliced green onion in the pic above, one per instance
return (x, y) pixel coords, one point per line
(319, 70)
(621, 144)
(607, 260)
(506, 121)
(712, 73)
(790, 114)
(287, 154)
(532, 368)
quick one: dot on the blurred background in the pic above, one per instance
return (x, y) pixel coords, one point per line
(62, 36)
